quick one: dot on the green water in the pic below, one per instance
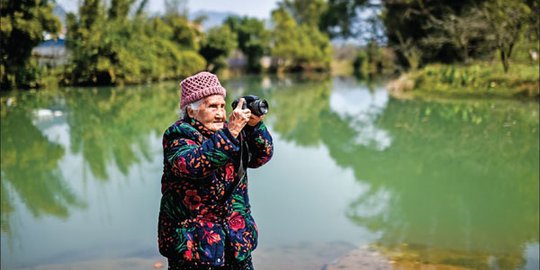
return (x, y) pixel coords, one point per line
(443, 183)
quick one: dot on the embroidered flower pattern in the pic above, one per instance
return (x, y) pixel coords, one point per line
(237, 222)
(192, 200)
(229, 172)
(199, 167)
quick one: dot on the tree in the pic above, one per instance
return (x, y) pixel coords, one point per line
(109, 46)
(298, 46)
(414, 21)
(461, 32)
(339, 17)
(217, 45)
(120, 8)
(305, 12)
(253, 39)
(185, 33)
(507, 20)
(22, 28)
(85, 40)
(410, 51)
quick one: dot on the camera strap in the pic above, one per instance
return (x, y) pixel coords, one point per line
(244, 159)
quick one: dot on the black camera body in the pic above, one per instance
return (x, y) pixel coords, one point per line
(256, 105)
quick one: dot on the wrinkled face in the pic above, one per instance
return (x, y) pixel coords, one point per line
(211, 112)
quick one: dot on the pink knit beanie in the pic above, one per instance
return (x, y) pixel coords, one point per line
(199, 86)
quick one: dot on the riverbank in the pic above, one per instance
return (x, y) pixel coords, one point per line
(479, 80)
(313, 256)
(308, 256)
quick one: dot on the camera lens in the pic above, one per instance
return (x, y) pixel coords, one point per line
(262, 107)
(257, 106)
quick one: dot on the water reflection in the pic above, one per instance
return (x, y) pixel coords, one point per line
(360, 108)
(111, 126)
(450, 183)
(55, 144)
(30, 171)
(462, 179)
(442, 183)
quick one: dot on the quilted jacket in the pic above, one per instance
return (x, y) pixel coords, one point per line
(205, 208)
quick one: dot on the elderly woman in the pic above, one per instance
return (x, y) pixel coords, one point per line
(205, 219)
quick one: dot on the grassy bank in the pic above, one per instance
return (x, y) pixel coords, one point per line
(481, 79)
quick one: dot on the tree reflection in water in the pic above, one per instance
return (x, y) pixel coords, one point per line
(452, 183)
(30, 171)
(106, 126)
(111, 126)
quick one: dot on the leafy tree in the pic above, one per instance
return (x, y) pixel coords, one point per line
(373, 59)
(83, 38)
(410, 51)
(507, 20)
(184, 33)
(298, 46)
(339, 17)
(22, 28)
(120, 9)
(285, 42)
(253, 39)
(111, 47)
(304, 11)
(217, 45)
(461, 32)
(413, 21)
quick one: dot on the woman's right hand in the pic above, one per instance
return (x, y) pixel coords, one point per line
(239, 118)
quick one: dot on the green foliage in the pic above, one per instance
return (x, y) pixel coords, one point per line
(118, 49)
(373, 60)
(411, 22)
(119, 9)
(461, 32)
(480, 79)
(184, 33)
(339, 17)
(507, 20)
(424, 32)
(253, 39)
(22, 28)
(304, 11)
(217, 45)
(298, 46)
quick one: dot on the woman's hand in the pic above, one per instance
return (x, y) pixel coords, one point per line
(254, 120)
(239, 118)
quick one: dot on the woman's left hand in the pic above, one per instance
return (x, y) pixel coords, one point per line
(254, 120)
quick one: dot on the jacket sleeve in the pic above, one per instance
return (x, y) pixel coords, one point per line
(260, 144)
(191, 160)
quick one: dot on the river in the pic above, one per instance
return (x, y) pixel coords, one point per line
(447, 184)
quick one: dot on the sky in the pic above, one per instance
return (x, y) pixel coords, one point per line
(253, 8)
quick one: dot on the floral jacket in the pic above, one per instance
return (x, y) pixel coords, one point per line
(199, 217)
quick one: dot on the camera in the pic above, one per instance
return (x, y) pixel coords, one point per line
(257, 106)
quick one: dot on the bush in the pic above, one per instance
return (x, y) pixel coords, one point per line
(479, 79)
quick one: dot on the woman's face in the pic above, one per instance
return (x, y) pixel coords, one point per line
(211, 112)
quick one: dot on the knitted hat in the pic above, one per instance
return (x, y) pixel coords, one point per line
(199, 86)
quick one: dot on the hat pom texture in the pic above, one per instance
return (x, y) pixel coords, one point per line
(198, 86)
